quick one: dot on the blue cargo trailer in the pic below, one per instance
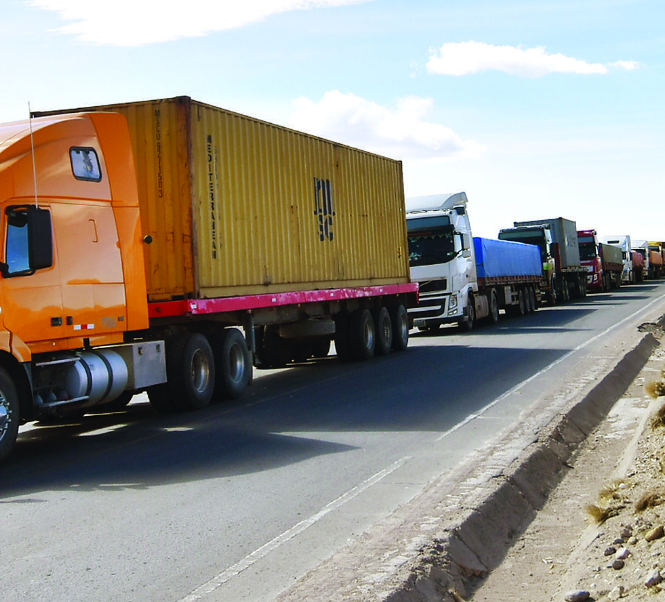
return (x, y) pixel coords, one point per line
(504, 262)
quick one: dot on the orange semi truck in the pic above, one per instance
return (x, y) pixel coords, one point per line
(168, 246)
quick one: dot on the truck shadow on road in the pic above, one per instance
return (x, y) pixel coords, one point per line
(425, 389)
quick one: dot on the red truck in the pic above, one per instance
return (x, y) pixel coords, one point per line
(604, 263)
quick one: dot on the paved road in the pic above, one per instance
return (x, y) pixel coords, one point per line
(237, 501)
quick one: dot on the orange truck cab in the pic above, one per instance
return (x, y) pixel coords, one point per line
(71, 260)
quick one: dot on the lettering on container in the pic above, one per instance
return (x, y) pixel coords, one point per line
(323, 208)
(158, 146)
(213, 181)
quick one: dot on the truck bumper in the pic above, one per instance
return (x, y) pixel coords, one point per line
(434, 311)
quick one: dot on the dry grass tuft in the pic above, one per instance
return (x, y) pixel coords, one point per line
(649, 500)
(599, 514)
(658, 419)
(655, 389)
(610, 501)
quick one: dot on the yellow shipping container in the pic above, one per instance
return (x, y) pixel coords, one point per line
(238, 206)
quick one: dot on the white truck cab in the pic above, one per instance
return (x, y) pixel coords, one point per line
(441, 256)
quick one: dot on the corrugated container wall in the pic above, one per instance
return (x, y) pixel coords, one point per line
(238, 206)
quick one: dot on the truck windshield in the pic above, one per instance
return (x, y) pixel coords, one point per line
(431, 241)
(588, 248)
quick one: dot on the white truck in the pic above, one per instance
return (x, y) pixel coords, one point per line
(622, 241)
(463, 279)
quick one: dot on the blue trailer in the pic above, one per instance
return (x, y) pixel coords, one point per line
(504, 262)
(508, 276)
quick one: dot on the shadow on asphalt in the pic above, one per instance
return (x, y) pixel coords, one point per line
(139, 448)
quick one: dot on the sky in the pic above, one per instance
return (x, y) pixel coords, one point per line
(535, 108)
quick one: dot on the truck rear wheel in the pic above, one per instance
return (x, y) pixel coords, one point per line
(9, 414)
(532, 297)
(233, 364)
(383, 329)
(528, 307)
(494, 308)
(362, 337)
(400, 320)
(565, 292)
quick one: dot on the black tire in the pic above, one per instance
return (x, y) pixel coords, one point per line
(277, 350)
(519, 309)
(233, 363)
(383, 328)
(565, 292)
(534, 300)
(528, 308)
(362, 337)
(553, 296)
(190, 370)
(467, 323)
(400, 320)
(494, 308)
(342, 342)
(9, 414)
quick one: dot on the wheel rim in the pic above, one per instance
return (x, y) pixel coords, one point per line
(5, 416)
(200, 371)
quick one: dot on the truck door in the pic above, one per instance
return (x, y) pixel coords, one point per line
(32, 301)
(88, 253)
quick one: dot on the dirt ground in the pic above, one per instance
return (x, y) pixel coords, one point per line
(591, 540)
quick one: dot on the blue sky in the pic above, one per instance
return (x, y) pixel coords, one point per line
(536, 109)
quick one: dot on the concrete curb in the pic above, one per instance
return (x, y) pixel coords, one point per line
(426, 552)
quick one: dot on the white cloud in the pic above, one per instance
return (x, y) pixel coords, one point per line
(465, 58)
(142, 22)
(401, 133)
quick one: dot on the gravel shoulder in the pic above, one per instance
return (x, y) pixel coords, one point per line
(565, 553)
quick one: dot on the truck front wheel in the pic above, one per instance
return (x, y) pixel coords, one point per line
(467, 323)
(9, 414)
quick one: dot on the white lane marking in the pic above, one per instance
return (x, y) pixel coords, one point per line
(272, 545)
(518, 386)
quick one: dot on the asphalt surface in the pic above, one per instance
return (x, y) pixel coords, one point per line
(244, 501)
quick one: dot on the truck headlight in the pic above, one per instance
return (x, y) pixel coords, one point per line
(452, 305)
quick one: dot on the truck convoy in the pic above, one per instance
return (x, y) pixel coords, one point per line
(653, 258)
(563, 276)
(464, 279)
(604, 262)
(166, 245)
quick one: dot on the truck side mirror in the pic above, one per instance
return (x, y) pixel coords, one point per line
(40, 240)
